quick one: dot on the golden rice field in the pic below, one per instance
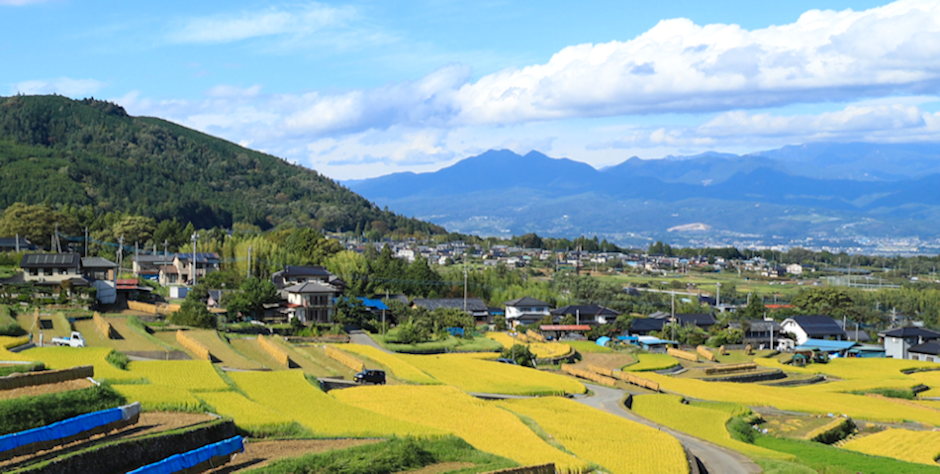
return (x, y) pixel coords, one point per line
(475, 375)
(482, 424)
(807, 399)
(7, 342)
(930, 379)
(221, 349)
(185, 374)
(158, 397)
(853, 368)
(914, 446)
(706, 423)
(288, 392)
(399, 367)
(246, 413)
(652, 362)
(67, 357)
(542, 350)
(626, 447)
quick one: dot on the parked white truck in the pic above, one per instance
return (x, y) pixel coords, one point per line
(76, 340)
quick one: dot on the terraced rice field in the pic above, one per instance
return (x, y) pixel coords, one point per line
(128, 339)
(647, 362)
(317, 354)
(706, 423)
(246, 413)
(475, 375)
(542, 350)
(482, 424)
(914, 446)
(288, 392)
(807, 399)
(403, 370)
(184, 374)
(222, 350)
(627, 447)
(249, 348)
(7, 342)
(67, 357)
(159, 397)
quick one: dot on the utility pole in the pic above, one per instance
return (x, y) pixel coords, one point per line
(718, 294)
(17, 242)
(120, 255)
(195, 237)
(465, 283)
(136, 251)
(86, 241)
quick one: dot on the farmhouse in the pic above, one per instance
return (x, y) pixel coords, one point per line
(644, 326)
(815, 327)
(928, 351)
(586, 314)
(310, 302)
(526, 310)
(475, 306)
(898, 341)
(294, 274)
(51, 268)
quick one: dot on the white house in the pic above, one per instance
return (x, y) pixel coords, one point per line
(51, 268)
(526, 310)
(311, 301)
(795, 269)
(812, 327)
(898, 341)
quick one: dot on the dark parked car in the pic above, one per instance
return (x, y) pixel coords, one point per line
(370, 376)
(506, 360)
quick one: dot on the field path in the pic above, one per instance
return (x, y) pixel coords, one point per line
(359, 336)
(716, 459)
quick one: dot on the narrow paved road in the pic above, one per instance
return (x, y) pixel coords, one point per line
(716, 459)
(358, 336)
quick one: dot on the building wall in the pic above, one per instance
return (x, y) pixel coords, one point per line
(52, 275)
(896, 347)
(790, 326)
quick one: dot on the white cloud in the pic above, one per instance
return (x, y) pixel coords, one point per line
(295, 22)
(63, 85)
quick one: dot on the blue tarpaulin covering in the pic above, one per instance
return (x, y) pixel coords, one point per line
(373, 303)
(602, 341)
(455, 331)
(178, 462)
(61, 429)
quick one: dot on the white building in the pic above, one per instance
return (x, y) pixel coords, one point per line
(812, 327)
(526, 310)
(311, 301)
(795, 269)
(899, 340)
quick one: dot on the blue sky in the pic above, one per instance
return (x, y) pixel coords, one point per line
(360, 89)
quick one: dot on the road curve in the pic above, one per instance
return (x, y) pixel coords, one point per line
(717, 460)
(358, 336)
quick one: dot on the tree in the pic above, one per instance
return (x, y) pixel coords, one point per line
(826, 300)
(350, 311)
(193, 312)
(137, 229)
(36, 223)
(755, 308)
(253, 294)
(520, 354)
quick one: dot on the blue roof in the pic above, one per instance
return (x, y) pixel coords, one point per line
(825, 345)
(375, 304)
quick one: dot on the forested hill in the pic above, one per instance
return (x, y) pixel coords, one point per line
(58, 151)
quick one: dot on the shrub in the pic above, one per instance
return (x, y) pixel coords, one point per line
(118, 359)
(26, 413)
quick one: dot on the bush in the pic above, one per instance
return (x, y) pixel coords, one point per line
(118, 359)
(34, 367)
(195, 314)
(520, 354)
(26, 413)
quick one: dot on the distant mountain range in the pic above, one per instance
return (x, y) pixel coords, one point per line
(824, 191)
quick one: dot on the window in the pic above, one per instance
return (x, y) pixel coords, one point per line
(47, 271)
(34, 271)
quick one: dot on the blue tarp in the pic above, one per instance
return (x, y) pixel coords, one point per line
(178, 462)
(602, 341)
(826, 346)
(455, 331)
(373, 304)
(61, 429)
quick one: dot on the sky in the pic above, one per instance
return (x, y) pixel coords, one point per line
(366, 88)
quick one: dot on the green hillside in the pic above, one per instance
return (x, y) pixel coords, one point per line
(58, 151)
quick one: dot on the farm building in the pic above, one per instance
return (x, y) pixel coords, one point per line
(586, 314)
(898, 341)
(812, 327)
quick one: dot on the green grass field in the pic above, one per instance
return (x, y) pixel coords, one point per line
(706, 283)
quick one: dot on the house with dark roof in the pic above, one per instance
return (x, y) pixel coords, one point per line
(759, 332)
(294, 274)
(474, 306)
(644, 326)
(813, 327)
(52, 268)
(16, 244)
(526, 310)
(98, 268)
(148, 266)
(586, 314)
(702, 320)
(928, 351)
(899, 341)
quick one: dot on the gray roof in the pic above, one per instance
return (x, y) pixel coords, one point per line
(310, 287)
(473, 304)
(525, 301)
(930, 348)
(586, 310)
(50, 260)
(296, 270)
(97, 262)
(817, 326)
(910, 331)
(762, 325)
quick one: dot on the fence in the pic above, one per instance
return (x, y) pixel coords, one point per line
(276, 352)
(638, 381)
(212, 455)
(721, 369)
(28, 379)
(704, 352)
(193, 345)
(66, 431)
(162, 308)
(584, 374)
(682, 354)
(103, 326)
(344, 358)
